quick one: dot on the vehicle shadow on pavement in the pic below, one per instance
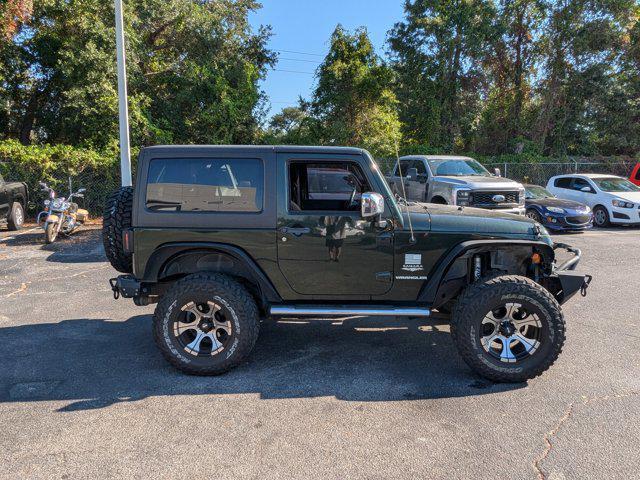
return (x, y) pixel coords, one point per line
(83, 246)
(97, 363)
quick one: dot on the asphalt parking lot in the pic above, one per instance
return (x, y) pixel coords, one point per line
(84, 392)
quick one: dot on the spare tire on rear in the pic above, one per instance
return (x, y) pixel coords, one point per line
(117, 219)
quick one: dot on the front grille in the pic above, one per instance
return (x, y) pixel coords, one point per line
(485, 199)
(579, 220)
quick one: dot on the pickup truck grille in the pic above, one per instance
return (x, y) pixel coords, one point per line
(485, 199)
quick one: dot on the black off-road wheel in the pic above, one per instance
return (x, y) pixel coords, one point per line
(16, 217)
(508, 328)
(206, 324)
(116, 219)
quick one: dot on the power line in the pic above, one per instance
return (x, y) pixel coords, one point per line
(291, 71)
(300, 60)
(301, 53)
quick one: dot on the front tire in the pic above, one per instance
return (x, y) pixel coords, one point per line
(206, 324)
(50, 233)
(16, 217)
(508, 328)
(534, 215)
(601, 217)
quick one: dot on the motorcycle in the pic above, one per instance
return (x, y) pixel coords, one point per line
(62, 214)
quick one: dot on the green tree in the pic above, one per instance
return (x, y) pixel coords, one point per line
(353, 103)
(510, 65)
(194, 68)
(583, 62)
(292, 126)
(437, 54)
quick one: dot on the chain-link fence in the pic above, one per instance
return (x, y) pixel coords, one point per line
(539, 173)
(99, 184)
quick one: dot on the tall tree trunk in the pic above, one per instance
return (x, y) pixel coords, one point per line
(29, 118)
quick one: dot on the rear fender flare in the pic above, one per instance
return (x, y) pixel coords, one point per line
(429, 291)
(173, 258)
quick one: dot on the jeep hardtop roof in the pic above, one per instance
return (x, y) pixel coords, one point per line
(256, 148)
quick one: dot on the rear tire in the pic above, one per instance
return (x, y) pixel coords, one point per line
(508, 328)
(206, 324)
(117, 219)
(16, 217)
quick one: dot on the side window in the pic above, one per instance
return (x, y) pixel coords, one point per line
(407, 164)
(637, 174)
(205, 185)
(563, 182)
(580, 183)
(326, 186)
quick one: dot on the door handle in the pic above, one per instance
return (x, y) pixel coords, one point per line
(295, 231)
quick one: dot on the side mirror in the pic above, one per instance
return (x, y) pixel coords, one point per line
(586, 189)
(82, 190)
(497, 172)
(371, 205)
(412, 174)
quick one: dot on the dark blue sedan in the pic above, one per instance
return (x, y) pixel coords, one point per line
(555, 213)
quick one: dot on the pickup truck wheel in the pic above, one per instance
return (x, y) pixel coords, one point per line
(116, 219)
(206, 324)
(508, 328)
(16, 217)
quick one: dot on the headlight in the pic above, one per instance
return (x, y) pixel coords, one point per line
(57, 203)
(622, 204)
(555, 209)
(462, 197)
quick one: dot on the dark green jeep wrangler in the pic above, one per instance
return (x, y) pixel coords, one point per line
(221, 237)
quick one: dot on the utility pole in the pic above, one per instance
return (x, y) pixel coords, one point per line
(125, 150)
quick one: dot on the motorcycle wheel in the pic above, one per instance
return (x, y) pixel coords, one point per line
(50, 233)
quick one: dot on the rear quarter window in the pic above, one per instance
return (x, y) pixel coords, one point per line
(562, 182)
(205, 185)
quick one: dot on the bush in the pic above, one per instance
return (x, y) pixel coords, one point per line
(98, 172)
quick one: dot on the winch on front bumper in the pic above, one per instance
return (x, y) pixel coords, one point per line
(570, 281)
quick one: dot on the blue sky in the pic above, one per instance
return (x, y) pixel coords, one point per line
(304, 27)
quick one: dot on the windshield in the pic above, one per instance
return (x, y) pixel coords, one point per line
(615, 184)
(458, 167)
(536, 192)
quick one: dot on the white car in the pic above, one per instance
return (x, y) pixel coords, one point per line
(613, 199)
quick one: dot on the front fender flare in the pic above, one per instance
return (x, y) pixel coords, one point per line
(429, 289)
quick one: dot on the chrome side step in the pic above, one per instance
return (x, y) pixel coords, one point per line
(310, 310)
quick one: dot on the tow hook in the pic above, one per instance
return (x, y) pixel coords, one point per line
(116, 292)
(585, 285)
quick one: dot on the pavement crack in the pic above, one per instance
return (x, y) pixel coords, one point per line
(22, 288)
(547, 440)
(568, 413)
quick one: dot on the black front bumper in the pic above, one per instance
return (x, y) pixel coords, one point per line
(571, 282)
